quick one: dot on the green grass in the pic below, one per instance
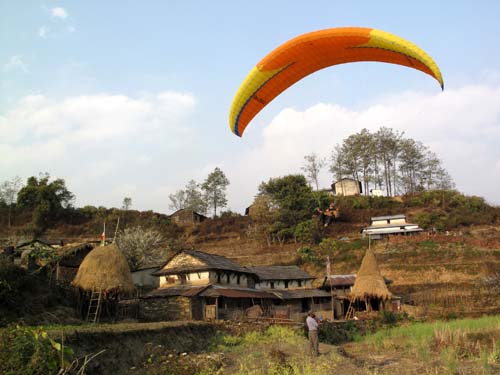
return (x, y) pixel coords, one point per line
(452, 344)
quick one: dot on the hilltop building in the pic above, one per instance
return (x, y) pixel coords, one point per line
(347, 186)
(187, 217)
(381, 226)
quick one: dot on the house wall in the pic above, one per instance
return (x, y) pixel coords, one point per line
(160, 309)
(388, 221)
(281, 284)
(143, 278)
(204, 278)
(233, 308)
(347, 187)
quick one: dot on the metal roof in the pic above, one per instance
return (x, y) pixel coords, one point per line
(345, 280)
(210, 262)
(180, 290)
(300, 293)
(235, 293)
(340, 280)
(280, 273)
(389, 217)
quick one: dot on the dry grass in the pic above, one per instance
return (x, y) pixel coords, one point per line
(105, 268)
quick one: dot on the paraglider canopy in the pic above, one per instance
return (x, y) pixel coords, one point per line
(313, 51)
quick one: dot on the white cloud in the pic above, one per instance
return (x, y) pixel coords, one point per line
(110, 146)
(16, 62)
(462, 126)
(59, 12)
(43, 32)
(103, 144)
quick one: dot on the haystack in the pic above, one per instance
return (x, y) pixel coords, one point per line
(105, 268)
(369, 282)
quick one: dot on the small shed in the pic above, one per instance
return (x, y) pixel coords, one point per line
(187, 217)
(381, 226)
(347, 186)
(70, 260)
(25, 254)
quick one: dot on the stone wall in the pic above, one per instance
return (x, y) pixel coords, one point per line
(164, 309)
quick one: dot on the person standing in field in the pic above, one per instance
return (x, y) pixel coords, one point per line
(312, 327)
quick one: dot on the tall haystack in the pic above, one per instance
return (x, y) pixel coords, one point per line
(105, 268)
(369, 282)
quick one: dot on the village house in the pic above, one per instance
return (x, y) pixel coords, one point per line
(346, 187)
(381, 226)
(187, 217)
(197, 285)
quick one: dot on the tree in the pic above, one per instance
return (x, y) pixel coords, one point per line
(388, 160)
(127, 203)
(177, 200)
(294, 201)
(140, 246)
(313, 167)
(8, 194)
(214, 188)
(47, 200)
(191, 197)
(263, 215)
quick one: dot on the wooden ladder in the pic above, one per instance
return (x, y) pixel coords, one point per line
(94, 306)
(350, 311)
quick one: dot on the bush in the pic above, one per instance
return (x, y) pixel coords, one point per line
(335, 334)
(307, 232)
(389, 317)
(13, 280)
(307, 255)
(27, 351)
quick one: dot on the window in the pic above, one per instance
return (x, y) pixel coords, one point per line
(286, 284)
(218, 278)
(299, 282)
(271, 284)
(228, 278)
(238, 279)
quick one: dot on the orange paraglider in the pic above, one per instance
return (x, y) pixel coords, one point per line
(311, 52)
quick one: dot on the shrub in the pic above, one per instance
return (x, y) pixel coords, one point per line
(27, 351)
(307, 255)
(307, 232)
(334, 334)
(389, 317)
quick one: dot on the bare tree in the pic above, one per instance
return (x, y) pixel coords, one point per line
(177, 200)
(8, 194)
(190, 197)
(140, 246)
(313, 167)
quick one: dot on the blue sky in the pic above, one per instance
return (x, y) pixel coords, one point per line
(128, 98)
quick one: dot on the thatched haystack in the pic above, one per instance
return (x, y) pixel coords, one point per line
(369, 282)
(105, 268)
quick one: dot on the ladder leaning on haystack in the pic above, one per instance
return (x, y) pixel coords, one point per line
(94, 305)
(350, 310)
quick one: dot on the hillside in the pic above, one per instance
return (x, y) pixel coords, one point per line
(448, 273)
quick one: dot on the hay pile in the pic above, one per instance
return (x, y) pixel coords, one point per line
(105, 268)
(369, 282)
